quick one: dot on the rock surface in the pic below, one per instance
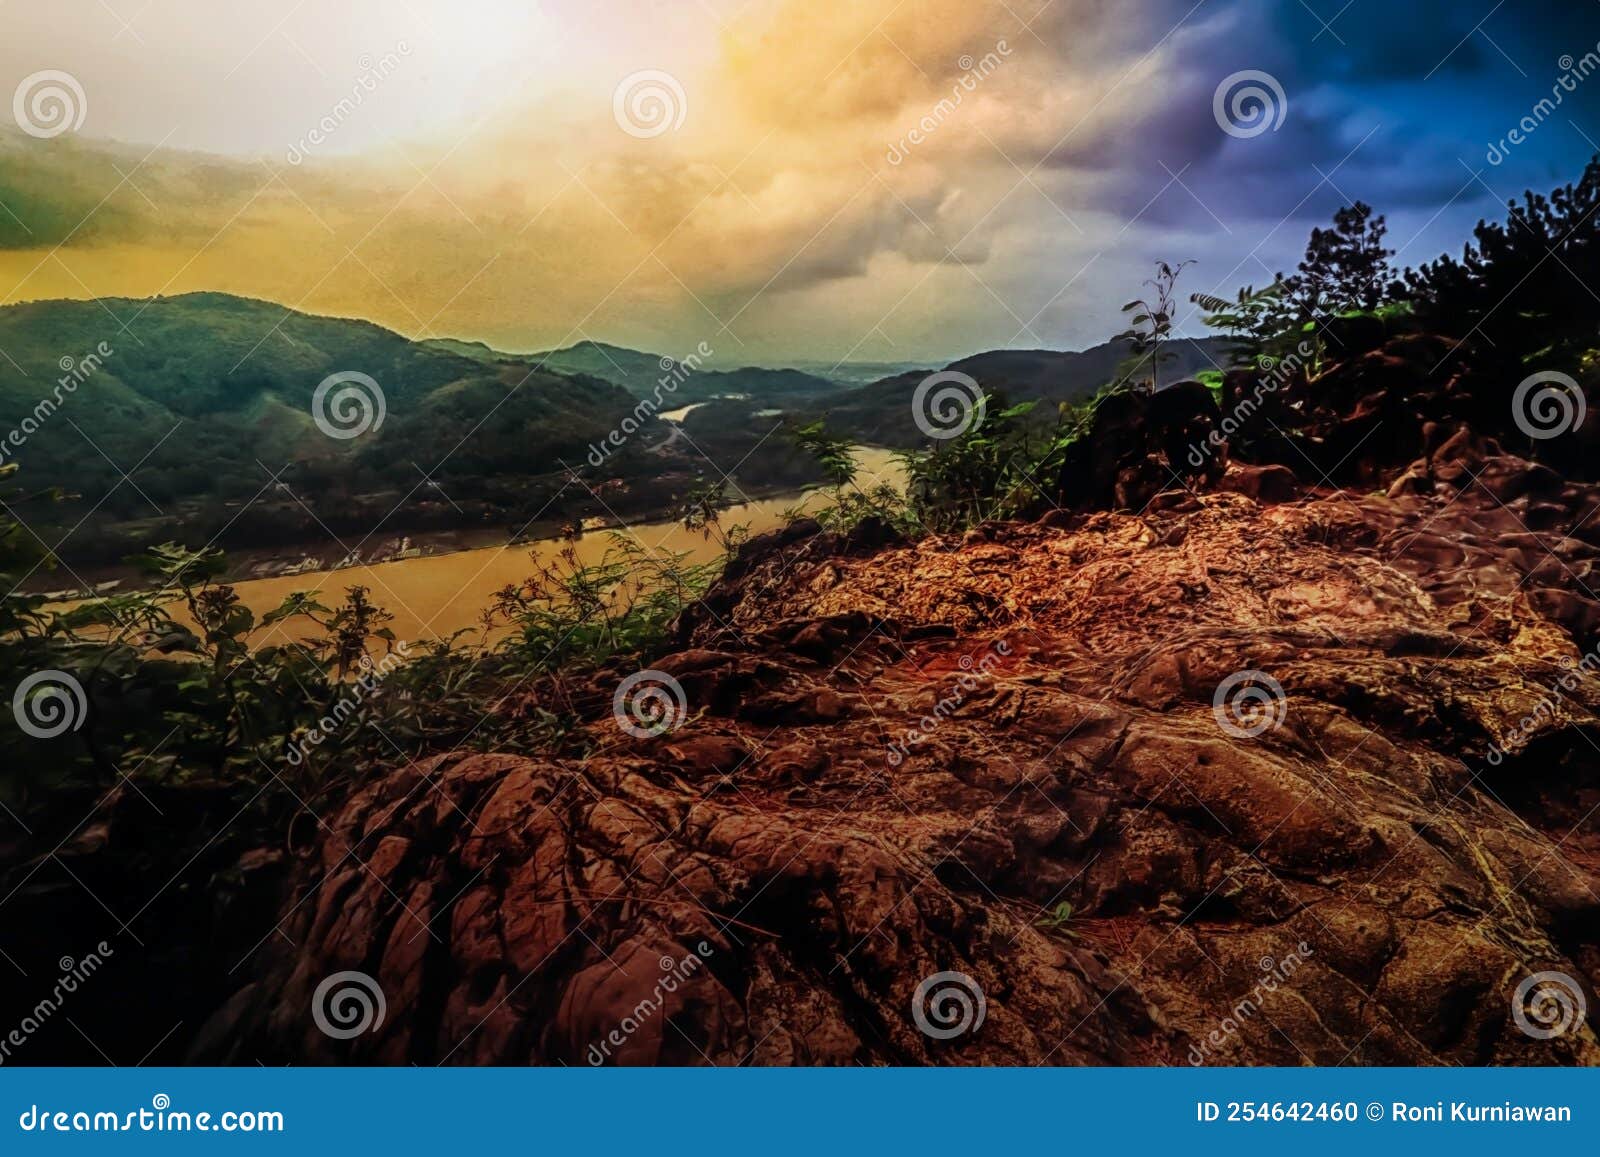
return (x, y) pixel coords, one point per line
(901, 760)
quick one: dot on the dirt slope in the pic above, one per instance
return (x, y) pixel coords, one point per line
(1360, 868)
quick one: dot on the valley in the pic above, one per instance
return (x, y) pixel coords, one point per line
(282, 437)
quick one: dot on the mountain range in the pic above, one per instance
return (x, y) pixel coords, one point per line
(192, 417)
(878, 413)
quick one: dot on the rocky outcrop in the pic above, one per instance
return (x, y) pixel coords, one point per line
(1238, 779)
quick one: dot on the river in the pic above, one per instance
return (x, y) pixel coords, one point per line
(433, 597)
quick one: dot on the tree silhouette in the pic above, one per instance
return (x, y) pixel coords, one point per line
(1346, 267)
(1525, 289)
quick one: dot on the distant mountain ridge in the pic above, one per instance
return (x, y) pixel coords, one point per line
(645, 374)
(1055, 375)
(208, 400)
(880, 412)
(216, 362)
(202, 402)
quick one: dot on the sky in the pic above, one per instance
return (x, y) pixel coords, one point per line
(878, 180)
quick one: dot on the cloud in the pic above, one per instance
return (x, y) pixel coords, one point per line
(892, 180)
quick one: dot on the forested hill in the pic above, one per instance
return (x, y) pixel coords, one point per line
(879, 412)
(210, 396)
(135, 421)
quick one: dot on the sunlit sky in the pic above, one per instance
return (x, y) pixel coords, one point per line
(483, 188)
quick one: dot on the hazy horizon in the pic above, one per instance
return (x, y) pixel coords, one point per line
(713, 362)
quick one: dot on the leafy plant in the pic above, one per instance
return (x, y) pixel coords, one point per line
(848, 505)
(1057, 919)
(570, 613)
(1255, 321)
(1211, 380)
(1005, 468)
(831, 452)
(1150, 324)
(702, 511)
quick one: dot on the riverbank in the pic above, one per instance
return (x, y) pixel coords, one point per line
(329, 556)
(436, 593)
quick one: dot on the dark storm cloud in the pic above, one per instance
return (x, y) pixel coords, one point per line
(1390, 102)
(1381, 41)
